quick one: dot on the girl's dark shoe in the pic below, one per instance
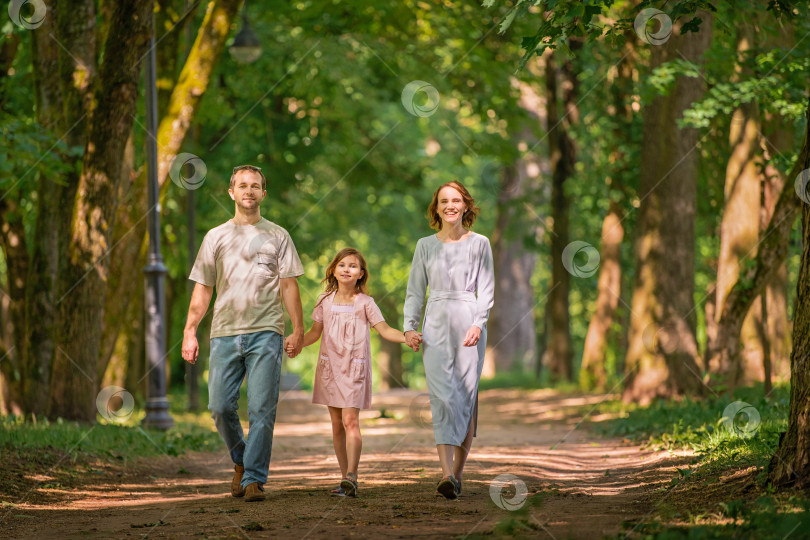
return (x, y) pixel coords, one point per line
(349, 485)
(447, 487)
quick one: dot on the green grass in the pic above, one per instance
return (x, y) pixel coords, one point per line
(119, 441)
(193, 431)
(767, 518)
(526, 380)
(700, 425)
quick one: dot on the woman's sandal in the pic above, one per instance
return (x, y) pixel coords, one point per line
(337, 492)
(448, 486)
(349, 485)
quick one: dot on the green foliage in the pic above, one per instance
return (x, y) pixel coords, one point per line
(125, 441)
(698, 425)
(564, 20)
(764, 519)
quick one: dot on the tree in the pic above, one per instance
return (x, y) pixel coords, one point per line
(123, 301)
(739, 233)
(790, 465)
(562, 85)
(593, 373)
(61, 312)
(62, 283)
(511, 338)
(662, 356)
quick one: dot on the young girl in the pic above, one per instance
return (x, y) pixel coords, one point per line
(343, 314)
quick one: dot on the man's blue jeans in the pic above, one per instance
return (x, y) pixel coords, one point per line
(232, 357)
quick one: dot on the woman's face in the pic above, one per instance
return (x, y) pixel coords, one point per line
(451, 206)
(348, 271)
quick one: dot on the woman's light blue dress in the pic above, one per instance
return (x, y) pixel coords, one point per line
(460, 280)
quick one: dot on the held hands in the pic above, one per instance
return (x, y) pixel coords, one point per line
(472, 337)
(413, 339)
(294, 343)
(190, 349)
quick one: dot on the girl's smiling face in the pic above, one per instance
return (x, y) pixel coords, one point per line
(450, 206)
(348, 271)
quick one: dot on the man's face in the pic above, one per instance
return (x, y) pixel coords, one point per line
(247, 190)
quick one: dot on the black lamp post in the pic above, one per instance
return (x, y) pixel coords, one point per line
(157, 406)
(246, 47)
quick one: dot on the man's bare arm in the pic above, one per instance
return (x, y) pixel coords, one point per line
(292, 302)
(200, 298)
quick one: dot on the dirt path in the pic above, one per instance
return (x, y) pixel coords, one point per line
(588, 486)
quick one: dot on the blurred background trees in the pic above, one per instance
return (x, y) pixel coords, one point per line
(639, 195)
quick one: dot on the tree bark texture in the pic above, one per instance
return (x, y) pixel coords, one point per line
(511, 332)
(790, 465)
(593, 372)
(593, 375)
(771, 255)
(778, 138)
(562, 152)
(130, 255)
(662, 358)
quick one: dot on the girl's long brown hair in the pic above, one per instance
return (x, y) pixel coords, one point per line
(330, 282)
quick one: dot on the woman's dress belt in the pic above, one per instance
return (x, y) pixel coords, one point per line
(464, 296)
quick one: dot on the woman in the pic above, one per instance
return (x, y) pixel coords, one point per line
(455, 263)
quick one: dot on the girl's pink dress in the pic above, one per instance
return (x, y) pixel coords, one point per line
(343, 375)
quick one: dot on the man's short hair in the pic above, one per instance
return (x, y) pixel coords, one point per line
(251, 168)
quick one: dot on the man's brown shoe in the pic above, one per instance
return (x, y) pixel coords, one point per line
(254, 492)
(236, 484)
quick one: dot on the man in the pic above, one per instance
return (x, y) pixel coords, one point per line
(253, 264)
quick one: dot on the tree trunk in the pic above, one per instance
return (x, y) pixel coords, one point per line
(389, 358)
(740, 226)
(778, 138)
(771, 255)
(593, 375)
(790, 465)
(739, 234)
(559, 355)
(130, 256)
(662, 354)
(83, 283)
(512, 333)
(134, 337)
(8, 51)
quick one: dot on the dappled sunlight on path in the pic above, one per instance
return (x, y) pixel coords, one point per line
(578, 485)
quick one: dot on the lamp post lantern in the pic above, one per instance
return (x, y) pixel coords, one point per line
(246, 47)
